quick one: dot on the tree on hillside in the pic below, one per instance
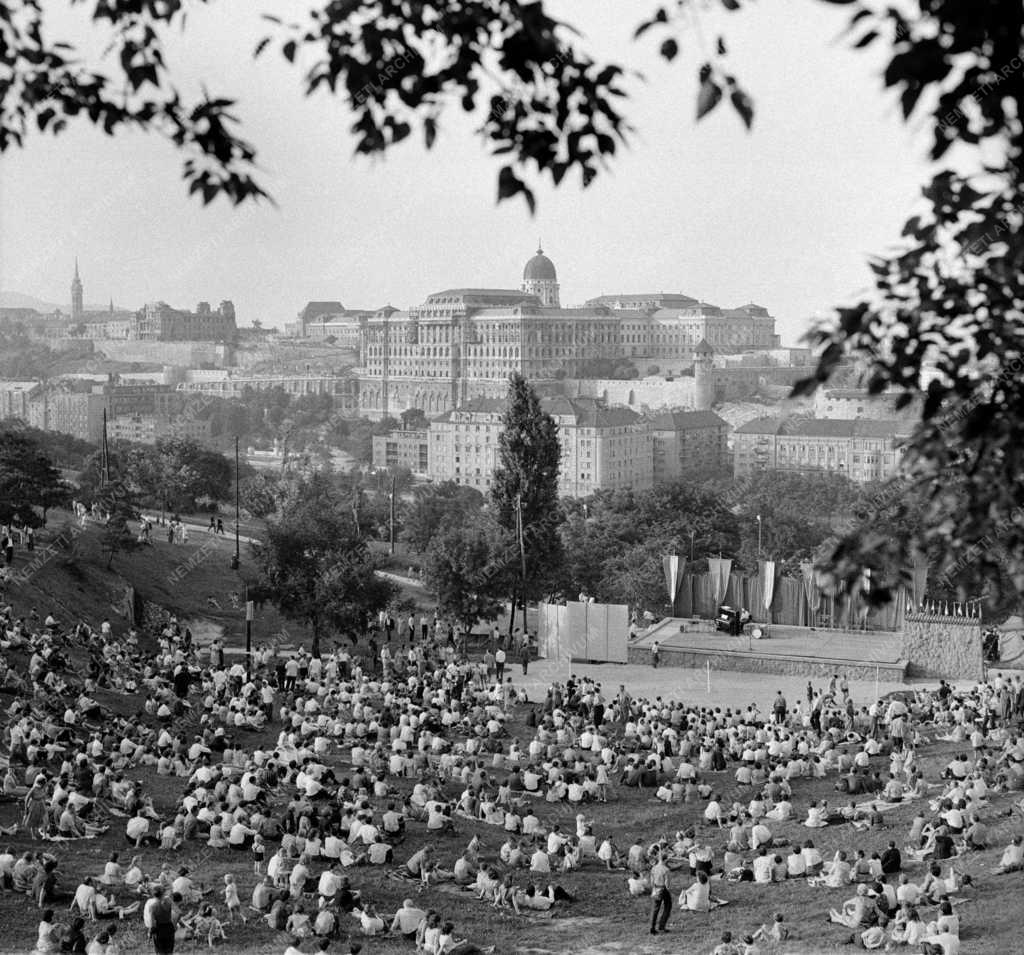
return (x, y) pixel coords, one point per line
(432, 508)
(318, 569)
(259, 492)
(646, 525)
(797, 511)
(117, 536)
(524, 489)
(466, 564)
(28, 480)
(635, 576)
(178, 471)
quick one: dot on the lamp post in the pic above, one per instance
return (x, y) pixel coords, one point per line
(758, 536)
(236, 560)
(391, 516)
(692, 534)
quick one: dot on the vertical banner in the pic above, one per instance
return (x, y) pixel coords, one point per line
(919, 581)
(672, 577)
(766, 569)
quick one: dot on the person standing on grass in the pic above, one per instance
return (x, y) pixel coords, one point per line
(524, 656)
(779, 708)
(655, 654)
(499, 664)
(159, 916)
(661, 896)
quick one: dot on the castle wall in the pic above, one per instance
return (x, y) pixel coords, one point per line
(169, 353)
(937, 645)
(640, 393)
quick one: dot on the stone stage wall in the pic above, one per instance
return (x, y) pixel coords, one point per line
(937, 645)
(783, 664)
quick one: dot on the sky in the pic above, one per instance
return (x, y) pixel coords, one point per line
(784, 216)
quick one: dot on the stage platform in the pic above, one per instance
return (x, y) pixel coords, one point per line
(860, 654)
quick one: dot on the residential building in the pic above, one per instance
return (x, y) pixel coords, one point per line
(687, 441)
(403, 449)
(847, 403)
(78, 413)
(150, 428)
(601, 448)
(15, 397)
(862, 449)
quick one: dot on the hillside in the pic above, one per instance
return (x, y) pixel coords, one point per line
(74, 584)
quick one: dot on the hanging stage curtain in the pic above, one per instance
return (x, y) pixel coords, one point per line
(715, 572)
(734, 591)
(862, 597)
(812, 596)
(795, 602)
(724, 569)
(704, 600)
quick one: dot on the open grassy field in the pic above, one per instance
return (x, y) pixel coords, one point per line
(604, 919)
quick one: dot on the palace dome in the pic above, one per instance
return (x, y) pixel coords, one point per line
(539, 269)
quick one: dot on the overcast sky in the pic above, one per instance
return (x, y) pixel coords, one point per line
(783, 216)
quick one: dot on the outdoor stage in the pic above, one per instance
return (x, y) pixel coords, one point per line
(859, 654)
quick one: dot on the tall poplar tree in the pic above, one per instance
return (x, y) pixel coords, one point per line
(525, 490)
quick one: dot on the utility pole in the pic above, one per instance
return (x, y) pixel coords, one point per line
(104, 455)
(237, 559)
(249, 614)
(391, 535)
(522, 568)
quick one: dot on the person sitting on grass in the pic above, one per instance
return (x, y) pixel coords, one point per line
(1012, 859)
(448, 944)
(208, 926)
(370, 922)
(856, 913)
(696, 898)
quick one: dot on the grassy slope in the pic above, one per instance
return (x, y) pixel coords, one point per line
(177, 577)
(604, 919)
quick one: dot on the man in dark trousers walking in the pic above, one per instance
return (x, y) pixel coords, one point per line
(660, 896)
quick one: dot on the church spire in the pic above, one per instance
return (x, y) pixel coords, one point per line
(77, 309)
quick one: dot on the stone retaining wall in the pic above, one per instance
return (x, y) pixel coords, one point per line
(936, 645)
(782, 664)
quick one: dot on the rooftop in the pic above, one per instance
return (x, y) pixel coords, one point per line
(825, 427)
(686, 421)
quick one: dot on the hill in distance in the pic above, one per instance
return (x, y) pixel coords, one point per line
(21, 300)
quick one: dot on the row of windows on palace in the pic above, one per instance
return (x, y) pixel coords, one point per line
(400, 345)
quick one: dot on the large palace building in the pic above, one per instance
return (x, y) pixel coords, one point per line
(463, 343)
